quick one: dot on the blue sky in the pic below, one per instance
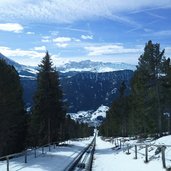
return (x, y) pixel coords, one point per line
(74, 30)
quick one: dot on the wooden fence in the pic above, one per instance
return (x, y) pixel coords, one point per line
(121, 143)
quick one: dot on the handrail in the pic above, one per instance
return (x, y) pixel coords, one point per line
(74, 162)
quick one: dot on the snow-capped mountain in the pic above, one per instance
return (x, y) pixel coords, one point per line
(23, 70)
(82, 66)
(84, 90)
(91, 66)
(93, 118)
(11, 62)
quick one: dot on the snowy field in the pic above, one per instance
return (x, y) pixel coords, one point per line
(55, 160)
(108, 158)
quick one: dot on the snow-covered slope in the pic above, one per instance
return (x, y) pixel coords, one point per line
(82, 66)
(91, 66)
(91, 117)
(100, 112)
(23, 70)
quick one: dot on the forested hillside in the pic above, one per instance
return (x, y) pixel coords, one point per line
(146, 111)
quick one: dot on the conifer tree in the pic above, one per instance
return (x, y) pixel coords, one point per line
(48, 113)
(150, 67)
(12, 114)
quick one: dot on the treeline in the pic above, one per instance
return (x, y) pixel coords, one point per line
(146, 111)
(45, 123)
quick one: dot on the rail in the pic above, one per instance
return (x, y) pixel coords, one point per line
(160, 148)
(26, 152)
(84, 159)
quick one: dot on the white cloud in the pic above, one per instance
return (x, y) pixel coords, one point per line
(62, 39)
(40, 48)
(62, 45)
(30, 32)
(19, 52)
(65, 11)
(110, 49)
(62, 42)
(11, 27)
(45, 39)
(85, 37)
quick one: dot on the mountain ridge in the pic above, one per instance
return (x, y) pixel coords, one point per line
(81, 66)
(83, 90)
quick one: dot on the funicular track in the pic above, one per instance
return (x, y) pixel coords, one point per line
(84, 160)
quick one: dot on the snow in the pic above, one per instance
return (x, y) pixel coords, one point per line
(92, 66)
(55, 160)
(108, 158)
(90, 117)
(101, 111)
(28, 77)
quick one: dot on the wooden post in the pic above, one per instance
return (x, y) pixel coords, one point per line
(135, 151)
(163, 156)
(128, 149)
(42, 150)
(115, 142)
(25, 157)
(35, 152)
(120, 143)
(49, 147)
(7, 163)
(146, 154)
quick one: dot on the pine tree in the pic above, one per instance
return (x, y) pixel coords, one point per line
(48, 113)
(12, 114)
(150, 70)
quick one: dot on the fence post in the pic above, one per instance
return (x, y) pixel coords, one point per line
(135, 151)
(163, 156)
(25, 158)
(42, 150)
(128, 149)
(49, 147)
(115, 142)
(146, 154)
(35, 152)
(120, 143)
(7, 163)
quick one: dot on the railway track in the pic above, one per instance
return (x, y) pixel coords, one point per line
(84, 160)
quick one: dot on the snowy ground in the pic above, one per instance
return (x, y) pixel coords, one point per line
(108, 158)
(55, 160)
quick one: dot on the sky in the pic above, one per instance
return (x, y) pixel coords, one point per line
(75, 30)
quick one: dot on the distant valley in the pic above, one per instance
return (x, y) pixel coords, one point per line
(86, 85)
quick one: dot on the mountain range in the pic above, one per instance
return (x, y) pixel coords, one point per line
(86, 85)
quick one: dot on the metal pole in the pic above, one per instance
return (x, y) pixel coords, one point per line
(146, 154)
(163, 157)
(25, 159)
(42, 150)
(120, 143)
(7, 163)
(35, 152)
(135, 151)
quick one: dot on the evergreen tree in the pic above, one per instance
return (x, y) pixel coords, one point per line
(48, 113)
(12, 114)
(142, 113)
(166, 84)
(150, 68)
